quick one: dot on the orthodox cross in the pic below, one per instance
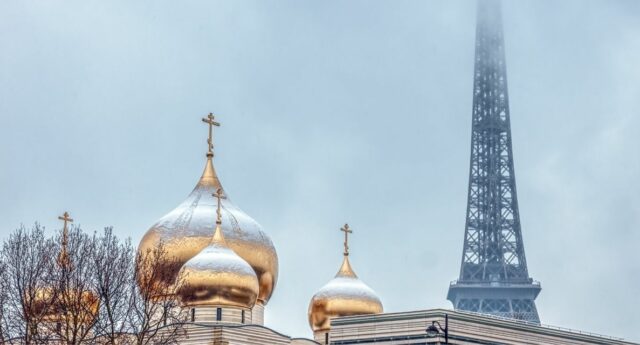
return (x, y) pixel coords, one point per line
(210, 120)
(67, 219)
(63, 259)
(347, 231)
(219, 195)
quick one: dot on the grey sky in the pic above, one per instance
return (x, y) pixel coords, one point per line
(335, 111)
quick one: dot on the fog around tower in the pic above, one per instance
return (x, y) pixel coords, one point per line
(335, 112)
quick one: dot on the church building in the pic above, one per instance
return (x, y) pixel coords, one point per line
(227, 266)
(228, 270)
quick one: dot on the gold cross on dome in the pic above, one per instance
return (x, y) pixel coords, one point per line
(219, 194)
(346, 231)
(67, 219)
(210, 120)
(63, 258)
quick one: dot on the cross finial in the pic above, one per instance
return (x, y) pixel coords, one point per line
(63, 258)
(347, 231)
(66, 219)
(210, 120)
(219, 194)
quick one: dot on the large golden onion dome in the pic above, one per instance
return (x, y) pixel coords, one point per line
(344, 295)
(217, 276)
(187, 230)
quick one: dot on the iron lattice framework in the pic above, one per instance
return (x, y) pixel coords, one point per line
(493, 275)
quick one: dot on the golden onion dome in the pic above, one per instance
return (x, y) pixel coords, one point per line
(187, 229)
(85, 305)
(49, 301)
(344, 295)
(217, 276)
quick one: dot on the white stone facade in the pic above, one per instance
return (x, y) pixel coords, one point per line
(464, 328)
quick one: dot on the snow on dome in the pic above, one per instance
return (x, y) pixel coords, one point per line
(344, 295)
(187, 230)
(217, 276)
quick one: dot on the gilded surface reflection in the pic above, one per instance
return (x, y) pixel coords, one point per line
(52, 305)
(344, 295)
(218, 276)
(187, 230)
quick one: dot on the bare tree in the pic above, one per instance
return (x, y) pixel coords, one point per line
(26, 256)
(156, 316)
(114, 275)
(4, 296)
(80, 289)
(76, 301)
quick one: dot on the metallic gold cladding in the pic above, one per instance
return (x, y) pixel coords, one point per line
(50, 308)
(217, 276)
(345, 269)
(344, 295)
(187, 229)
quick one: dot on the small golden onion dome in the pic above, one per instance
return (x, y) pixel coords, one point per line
(187, 229)
(344, 295)
(86, 307)
(49, 301)
(217, 276)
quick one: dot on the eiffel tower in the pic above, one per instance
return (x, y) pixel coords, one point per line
(493, 276)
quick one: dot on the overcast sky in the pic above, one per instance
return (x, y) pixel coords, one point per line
(335, 111)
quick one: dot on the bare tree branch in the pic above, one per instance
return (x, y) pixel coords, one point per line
(156, 317)
(80, 289)
(114, 276)
(76, 301)
(4, 302)
(26, 256)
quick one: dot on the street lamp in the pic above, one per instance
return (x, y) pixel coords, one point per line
(435, 329)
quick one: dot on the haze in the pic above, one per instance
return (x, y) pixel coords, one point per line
(335, 112)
